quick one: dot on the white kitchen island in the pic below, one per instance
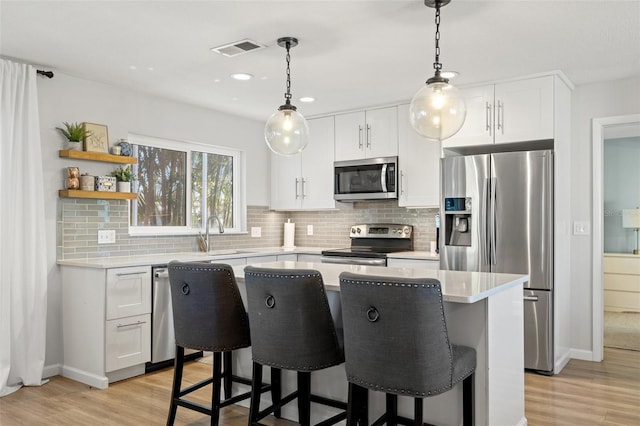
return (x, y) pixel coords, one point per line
(483, 310)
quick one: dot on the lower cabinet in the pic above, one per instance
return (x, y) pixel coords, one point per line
(106, 319)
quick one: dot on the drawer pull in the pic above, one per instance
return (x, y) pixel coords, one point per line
(132, 324)
(123, 274)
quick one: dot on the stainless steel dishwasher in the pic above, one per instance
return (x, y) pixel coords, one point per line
(163, 343)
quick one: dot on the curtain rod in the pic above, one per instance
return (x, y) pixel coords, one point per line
(48, 74)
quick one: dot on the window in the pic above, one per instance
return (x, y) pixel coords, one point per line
(181, 184)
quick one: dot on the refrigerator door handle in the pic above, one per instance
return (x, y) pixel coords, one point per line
(484, 220)
(494, 226)
(531, 298)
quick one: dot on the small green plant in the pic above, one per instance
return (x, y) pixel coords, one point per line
(74, 132)
(123, 174)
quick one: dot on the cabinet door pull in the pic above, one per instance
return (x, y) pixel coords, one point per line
(368, 135)
(124, 274)
(500, 118)
(131, 324)
(487, 117)
(303, 181)
(401, 182)
(359, 137)
(297, 193)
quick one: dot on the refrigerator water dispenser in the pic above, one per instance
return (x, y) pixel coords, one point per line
(457, 226)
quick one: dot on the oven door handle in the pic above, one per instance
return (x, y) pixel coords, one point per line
(353, 261)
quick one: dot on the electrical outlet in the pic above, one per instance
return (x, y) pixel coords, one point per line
(107, 236)
(256, 231)
(309, 229)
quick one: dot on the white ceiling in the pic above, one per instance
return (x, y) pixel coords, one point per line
(351, 54)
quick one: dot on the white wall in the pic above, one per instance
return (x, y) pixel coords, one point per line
(605, 99)
(66, 98)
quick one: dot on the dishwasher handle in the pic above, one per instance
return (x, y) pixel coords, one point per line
(161, 273)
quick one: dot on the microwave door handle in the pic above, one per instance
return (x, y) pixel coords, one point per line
(383, 177)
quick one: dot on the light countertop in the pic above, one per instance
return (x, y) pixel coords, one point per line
(414, 255)
(163, 259)
(457, 286)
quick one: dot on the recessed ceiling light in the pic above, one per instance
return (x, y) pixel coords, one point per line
(241, 76)
(449, 74)
(150, 69)
(133, 67)
(307, 99)
(216, 80)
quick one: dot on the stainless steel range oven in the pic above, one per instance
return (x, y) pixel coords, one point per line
(371, 243)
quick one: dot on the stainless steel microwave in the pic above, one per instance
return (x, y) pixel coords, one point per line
(368, 179)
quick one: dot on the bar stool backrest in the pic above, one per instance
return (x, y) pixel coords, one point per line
(291, 323)
(208, 313)
(395, 333)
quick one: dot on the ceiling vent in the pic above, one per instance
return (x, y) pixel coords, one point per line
(238, 48)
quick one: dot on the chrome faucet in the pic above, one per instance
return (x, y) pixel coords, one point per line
(220, 228)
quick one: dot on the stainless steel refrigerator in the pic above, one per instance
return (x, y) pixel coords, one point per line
(497, 216)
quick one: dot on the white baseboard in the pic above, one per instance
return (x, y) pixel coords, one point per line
(582, 354)
(90, 379)
(51, 370)
(562, 362)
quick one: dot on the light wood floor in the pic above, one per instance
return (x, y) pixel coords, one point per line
(584, 394)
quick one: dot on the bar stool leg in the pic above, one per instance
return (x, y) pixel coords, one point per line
(304, 395)
(418, 412)
(358, 406)
(276, 389)
(177, 382)
(392, 410)
(228, 374)
(467, 401)
(215, 392)
(256, 383)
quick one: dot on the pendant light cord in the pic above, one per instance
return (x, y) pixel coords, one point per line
(437, 65)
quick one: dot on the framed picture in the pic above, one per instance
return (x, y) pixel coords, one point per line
(98, 139)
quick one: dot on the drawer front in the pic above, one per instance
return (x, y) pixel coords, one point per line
(622, 265)
(128, 342)
(128, 292)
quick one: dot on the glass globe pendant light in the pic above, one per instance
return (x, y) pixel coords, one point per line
(437, 111)
(286, 131)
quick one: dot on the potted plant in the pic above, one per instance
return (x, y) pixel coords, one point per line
(75, 134)
(124, 177)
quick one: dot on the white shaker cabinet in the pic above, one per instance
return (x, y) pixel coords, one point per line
(106, 319)
(305, 180)
(367, 134)
(418, 164)
(514, 111)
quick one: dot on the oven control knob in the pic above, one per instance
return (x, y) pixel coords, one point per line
(353, 230)
(358, 230)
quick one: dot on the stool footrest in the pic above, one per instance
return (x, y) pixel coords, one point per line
(284, 401)
(333, 420)
(196, 386)
(327, 401)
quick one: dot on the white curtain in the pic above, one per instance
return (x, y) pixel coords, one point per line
(23, 267)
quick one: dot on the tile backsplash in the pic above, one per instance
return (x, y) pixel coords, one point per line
(80, 219)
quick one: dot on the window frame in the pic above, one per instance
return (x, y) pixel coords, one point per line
(239, 186)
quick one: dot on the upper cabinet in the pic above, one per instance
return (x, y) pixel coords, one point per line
(514, 111)
(305, 180)
(366, 134)
(419, 165)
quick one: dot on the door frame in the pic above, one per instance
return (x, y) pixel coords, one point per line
(597, 250)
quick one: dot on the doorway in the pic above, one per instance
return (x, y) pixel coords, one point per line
(603, 128)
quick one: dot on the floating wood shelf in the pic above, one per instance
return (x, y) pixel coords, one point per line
(97, 156)
(102, 195)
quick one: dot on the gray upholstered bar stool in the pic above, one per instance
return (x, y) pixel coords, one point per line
(396, 342)
(208, 315)
(292, 329)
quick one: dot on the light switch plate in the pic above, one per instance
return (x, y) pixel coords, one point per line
(309, 229)
(581, 227)
(107, 236)
(256, 231)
